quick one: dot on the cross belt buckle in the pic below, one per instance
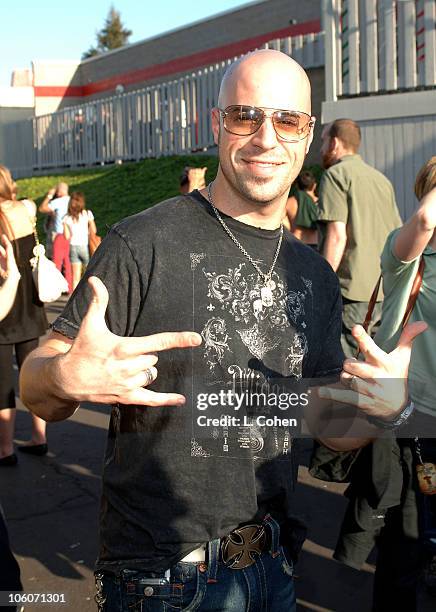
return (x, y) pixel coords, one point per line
(240, 547)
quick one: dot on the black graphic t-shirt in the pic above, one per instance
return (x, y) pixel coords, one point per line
(176, 477)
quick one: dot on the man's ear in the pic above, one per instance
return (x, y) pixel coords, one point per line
(215, 117)
(335, 143)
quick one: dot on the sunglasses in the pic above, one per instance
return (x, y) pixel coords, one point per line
(244, 120)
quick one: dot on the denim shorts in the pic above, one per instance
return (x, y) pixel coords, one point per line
(79, 254)
(199, 587)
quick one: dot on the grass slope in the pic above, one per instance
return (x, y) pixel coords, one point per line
(115, 192)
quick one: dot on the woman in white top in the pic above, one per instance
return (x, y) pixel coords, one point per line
(78, 223)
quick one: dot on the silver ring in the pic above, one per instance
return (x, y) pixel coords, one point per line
(149, 377)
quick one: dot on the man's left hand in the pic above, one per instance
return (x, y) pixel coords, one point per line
(378, 385)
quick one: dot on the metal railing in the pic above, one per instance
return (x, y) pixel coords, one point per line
(164, 119)
(379, 46)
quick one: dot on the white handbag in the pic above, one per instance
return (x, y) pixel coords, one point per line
(49, 282)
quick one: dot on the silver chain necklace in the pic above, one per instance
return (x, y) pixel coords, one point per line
(269, 285)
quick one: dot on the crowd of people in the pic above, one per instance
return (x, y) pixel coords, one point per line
(260, 277)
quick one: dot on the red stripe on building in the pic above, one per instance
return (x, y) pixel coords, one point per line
(45, 91)
(203, 58)
(182, 64)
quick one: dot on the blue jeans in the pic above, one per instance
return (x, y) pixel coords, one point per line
(267, 585)
(79, 254)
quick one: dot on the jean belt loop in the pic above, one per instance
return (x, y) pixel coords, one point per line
(213, 556)
(275, 533)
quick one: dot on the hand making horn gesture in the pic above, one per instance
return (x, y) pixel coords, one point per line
(105, 368)
(378, 385)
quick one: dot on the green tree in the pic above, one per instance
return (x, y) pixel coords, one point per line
(112, 36)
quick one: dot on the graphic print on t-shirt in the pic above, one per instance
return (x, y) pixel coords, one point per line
(247, 348)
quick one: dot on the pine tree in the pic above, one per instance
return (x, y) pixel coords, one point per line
(92, 51)
(112, 36)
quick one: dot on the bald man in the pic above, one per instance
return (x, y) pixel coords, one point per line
(196, 507)
(55, 204)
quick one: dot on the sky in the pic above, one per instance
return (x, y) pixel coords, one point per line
(50, 29)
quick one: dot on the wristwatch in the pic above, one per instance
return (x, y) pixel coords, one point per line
(402, 418)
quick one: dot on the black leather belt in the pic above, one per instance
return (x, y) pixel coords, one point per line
(240, 548)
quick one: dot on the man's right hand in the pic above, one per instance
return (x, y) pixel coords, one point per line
(100, 366)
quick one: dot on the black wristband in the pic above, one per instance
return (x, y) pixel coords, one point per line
(402, 418)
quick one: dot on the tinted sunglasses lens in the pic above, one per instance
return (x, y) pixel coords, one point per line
(291, 125)
(242, 120)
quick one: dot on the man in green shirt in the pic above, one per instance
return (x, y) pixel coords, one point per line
(357, 211)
